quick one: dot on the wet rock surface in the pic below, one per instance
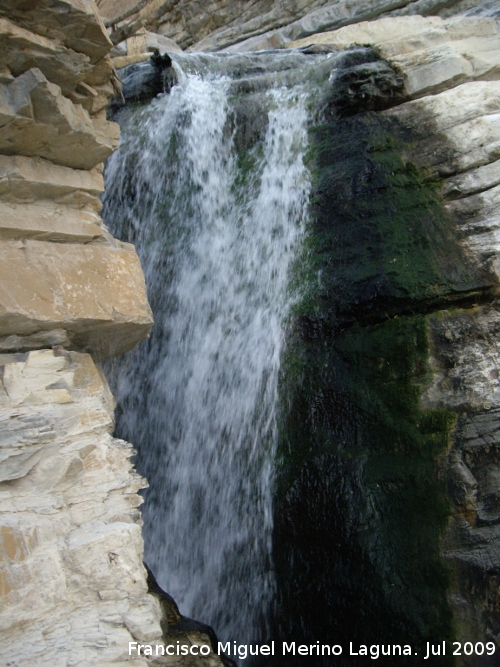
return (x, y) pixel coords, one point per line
(392, 364)
(180, 628)
(365, 82)
(142, 82)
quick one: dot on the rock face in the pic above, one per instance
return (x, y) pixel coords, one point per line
(72, 579)
(71, 537)
(394, 363)
(251, 25)
(425, 254)
(465, 364)
(64, 270)
(73, 589)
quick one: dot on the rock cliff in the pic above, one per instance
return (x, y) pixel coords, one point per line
(407, 309)
(250, 25)
(397, 345)
(390, 377)
(73, 589)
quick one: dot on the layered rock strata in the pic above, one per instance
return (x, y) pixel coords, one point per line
(251, 25)
(73, 589)
(407, 315)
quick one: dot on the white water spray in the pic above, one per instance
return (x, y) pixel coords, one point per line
(217, 226)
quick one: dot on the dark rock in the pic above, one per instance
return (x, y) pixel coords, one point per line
(360, 508)
(175, 626)
(365, 82)
(161, 62)
(317, 49)
(142, 82)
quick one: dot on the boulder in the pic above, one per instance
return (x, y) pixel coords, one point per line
(37, 120)
(143, 81)
(75, 23)
(96, 293)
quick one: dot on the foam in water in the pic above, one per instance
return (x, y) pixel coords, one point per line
(217, 230)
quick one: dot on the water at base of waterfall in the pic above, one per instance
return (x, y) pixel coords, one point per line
(210, 184)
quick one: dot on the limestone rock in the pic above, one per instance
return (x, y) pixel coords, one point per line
(376, 33)
(465, 363)
(460, 141)
(473, 181)
(467, 120)
(433, 54)
(72, 585)
(21, 50)
(37, 120)
(72, 582)
(280, 32)
(49, 221)
(251, 25)
(68, 531)
(479, 219)
(96, 293)
(47, 339)
(75, 23)
(28, 179)
(101, 73)
(124, 61)
(162, 43)
(465, 360)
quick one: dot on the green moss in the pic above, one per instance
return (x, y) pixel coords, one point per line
(382, 240)
(360, 508)
(353, 402)
(247, 172)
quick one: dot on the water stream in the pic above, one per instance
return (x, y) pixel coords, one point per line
(211, 185)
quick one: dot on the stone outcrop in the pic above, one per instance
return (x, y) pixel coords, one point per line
(72, 584)
(88, 290)
(250, 25)
(411, 280)
(73, 588)
(465, 364)
(38, 120)
(64, 270)
(72, 579)
(434, 54)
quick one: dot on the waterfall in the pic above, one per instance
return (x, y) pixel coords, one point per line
(210, 184)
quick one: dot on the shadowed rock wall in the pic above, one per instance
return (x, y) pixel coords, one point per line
(71, 583)
(387, 497)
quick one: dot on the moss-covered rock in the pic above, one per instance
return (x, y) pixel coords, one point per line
(382, 242)
(360, 507)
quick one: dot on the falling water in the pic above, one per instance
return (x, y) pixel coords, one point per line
(211, 186)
